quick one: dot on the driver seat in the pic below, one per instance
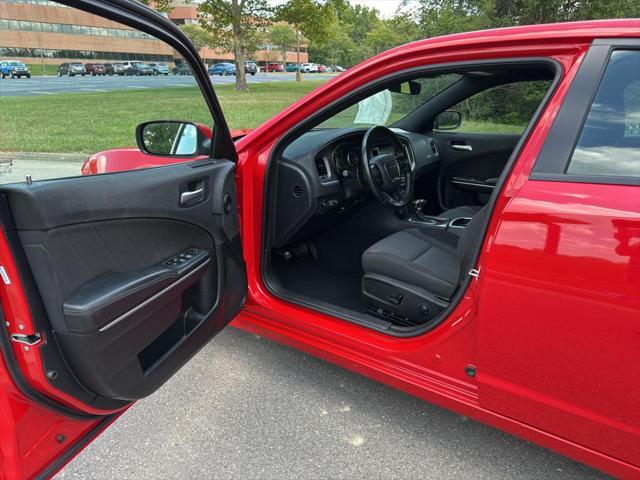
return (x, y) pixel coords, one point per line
(411, 276)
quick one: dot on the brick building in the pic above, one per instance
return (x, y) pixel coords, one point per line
(45, 32)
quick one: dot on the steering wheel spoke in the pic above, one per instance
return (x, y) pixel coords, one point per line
(389, 175)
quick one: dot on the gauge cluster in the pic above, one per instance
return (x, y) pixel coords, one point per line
(347, 157)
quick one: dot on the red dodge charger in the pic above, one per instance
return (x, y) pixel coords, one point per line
(374, 223)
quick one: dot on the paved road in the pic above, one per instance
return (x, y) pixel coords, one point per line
(54, 85)
(245, 407)
(14, 167)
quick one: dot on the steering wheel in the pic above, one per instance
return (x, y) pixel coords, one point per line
(389, 174)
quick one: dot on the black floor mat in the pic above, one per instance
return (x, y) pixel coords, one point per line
(302, 277)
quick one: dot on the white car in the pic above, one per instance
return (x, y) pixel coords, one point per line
(309, 68)
(128, 65)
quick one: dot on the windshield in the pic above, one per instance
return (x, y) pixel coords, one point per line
(17, 64)
(387, 107)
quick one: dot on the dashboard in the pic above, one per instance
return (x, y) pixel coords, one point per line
(319, 176)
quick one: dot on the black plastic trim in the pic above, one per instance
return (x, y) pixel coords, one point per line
(569, 178)
(556, 153)
(351, 98)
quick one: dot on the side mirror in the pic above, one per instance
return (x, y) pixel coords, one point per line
(172, 138)
(448, 120)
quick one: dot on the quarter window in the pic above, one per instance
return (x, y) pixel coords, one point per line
(609, 143)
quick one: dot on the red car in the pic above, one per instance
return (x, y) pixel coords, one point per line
(275, 67)
(507, 292)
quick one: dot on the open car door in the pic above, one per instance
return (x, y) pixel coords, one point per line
(110, 283)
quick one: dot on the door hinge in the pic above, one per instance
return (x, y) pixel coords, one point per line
(5, 276)
(475, 273)
(30, 340)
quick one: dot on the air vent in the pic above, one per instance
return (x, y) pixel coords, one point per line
(434, 148)
(298, 191)
(322, 167)
(408, 155)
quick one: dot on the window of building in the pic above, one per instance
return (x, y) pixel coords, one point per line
(609, 143)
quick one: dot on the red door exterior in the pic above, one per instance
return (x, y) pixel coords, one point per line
(558, 323)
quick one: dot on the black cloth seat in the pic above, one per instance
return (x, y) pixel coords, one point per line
(464, 211)
(415, 258)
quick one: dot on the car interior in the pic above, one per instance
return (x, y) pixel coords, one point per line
(375, 210)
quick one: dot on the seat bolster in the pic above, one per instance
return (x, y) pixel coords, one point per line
(410, 257)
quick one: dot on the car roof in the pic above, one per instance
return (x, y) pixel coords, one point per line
(586, 30)
(514, 40)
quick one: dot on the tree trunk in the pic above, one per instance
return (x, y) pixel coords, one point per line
(241, 77)
(298, 73)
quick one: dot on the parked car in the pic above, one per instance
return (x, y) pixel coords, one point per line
(132, 158)
(274, 67)
(309, 68)
(128, 64)
(291, 67)
(114, 68)
(71, 69)
(139, 69)
(159, 68)
(322, 68)
(338, 68)
(250, 68)
(181, 69)
(13, 69)
(95, 69)
(223, 68)
(507, 292)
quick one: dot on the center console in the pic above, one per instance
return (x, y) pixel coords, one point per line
(414, 216)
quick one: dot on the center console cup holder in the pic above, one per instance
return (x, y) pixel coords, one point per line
(460, 222)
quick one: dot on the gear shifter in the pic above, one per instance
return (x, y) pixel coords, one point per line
(414, 209)
(417, 207)
(417, 210)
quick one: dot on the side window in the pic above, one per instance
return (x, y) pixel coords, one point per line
(502, 109)
(609, 143)
(71, 105)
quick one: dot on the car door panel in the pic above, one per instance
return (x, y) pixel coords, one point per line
(471, 164)
(129, 278)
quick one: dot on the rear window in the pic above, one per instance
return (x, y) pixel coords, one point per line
(609, 143)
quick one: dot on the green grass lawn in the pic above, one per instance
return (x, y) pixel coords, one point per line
(90, 122)
(43, 69)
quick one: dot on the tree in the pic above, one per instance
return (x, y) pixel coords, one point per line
(283, 37)
(309, 18)
(162, 6)
(198, 36)
(234, 26)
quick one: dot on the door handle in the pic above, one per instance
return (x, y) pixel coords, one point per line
(462, 147)
(192, 197)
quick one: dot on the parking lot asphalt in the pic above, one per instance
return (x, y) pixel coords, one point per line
(53, 85)
(14, 167)
(248, 408)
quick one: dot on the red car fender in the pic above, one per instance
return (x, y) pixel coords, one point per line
(131, 158)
